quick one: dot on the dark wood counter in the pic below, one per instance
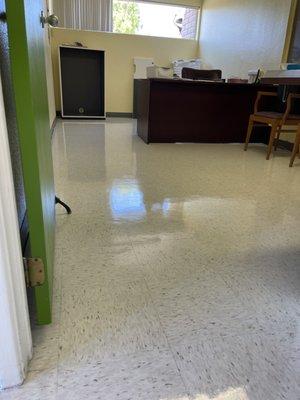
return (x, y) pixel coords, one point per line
(170, 110)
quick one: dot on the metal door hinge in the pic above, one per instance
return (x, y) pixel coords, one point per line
(34, 271)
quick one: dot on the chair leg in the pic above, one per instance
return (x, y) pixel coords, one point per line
(295, 148)
(249, 131)
(271, 141)
(277, 137)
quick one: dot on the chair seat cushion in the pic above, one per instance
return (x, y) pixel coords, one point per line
(293, 116)
(269, 114)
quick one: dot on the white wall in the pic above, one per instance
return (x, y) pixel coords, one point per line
(238, 35)
(120, 49)
(15, 335)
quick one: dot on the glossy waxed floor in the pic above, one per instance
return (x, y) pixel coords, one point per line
(177, 275)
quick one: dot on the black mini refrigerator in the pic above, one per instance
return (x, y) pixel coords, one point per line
(82, 82)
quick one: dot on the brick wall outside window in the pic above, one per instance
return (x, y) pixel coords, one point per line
(189, 23)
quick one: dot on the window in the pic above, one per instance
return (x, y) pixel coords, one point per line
(139, 17)
(130, 16)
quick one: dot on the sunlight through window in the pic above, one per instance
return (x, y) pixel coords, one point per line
(150, 19)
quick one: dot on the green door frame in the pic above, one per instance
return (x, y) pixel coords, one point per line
(29, 80)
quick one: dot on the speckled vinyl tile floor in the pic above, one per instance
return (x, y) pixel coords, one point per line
(177, 275)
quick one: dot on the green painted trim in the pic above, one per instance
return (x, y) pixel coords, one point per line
(31, 113)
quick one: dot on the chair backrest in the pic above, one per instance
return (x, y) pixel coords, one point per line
(202, 74)
(292, 112)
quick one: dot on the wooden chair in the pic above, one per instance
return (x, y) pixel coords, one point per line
(296, 148)
(274, 119)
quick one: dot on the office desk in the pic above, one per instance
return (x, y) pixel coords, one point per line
(170, 110)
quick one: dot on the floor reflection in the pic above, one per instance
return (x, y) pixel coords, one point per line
(84, 153)
(126, 200)
(230, 394)
(163, 207)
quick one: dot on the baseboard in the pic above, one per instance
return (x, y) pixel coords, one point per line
(284, 144)
(108, 114)
(119, 115)
(12, 376)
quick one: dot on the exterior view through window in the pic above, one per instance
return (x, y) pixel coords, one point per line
(150, 19)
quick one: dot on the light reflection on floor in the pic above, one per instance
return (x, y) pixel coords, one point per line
(126, 200)
(230, 394)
